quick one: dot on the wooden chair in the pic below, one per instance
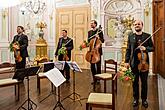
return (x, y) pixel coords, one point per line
(7, 67)
(41, 75)
(102, 100)
(107, 75)
(11, 82)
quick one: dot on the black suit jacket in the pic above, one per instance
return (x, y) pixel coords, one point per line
(131, 51)
(23, 42)
(69, 47)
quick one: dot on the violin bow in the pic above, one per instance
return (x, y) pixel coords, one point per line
(99, 31)
(150, 36)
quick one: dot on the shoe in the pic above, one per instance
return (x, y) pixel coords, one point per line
(97, 82)
(135, 103)
(145, 103)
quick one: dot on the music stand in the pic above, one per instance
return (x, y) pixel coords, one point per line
(30, 71)
(19, 74)
(56, 77)
(48, 66)
(75, 68)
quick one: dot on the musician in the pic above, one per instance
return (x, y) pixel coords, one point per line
(68, 42)
(131, 59)
(22, 40)
(95, 67)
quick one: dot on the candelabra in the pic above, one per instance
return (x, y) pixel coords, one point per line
(41, 45)
(128, 22)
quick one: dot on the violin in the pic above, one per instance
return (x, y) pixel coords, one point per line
(17, 53)
(93, 55)
(143, 66)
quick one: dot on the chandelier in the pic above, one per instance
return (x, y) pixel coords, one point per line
(35, 6)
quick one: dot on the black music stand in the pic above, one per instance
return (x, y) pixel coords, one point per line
(19, 74)
(56, 77)
(30, 71)
(48, 66)
(75, 68)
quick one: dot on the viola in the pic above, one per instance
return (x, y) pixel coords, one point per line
(17, 53)
(65, 56)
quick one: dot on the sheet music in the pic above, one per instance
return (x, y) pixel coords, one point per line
(55, 76)
(59, 64)
(46, 63)
(74, 66)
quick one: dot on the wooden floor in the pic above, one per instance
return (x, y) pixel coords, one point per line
(83, 87)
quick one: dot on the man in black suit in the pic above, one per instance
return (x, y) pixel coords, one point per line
(22, 41)
(96, 67)
(132, 60)
(68, 45)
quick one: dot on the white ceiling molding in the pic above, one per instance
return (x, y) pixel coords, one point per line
(121, 7)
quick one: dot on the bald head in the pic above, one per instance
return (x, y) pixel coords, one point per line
(138, 25)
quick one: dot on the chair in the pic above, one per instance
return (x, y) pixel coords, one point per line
(101, 100)
(7, 67)
(107, 75)
(41, 75)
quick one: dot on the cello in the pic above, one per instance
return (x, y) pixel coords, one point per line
(93, 55)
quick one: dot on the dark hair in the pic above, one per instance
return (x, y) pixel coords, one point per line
(94, 21)
(21, 28)
(64, 30)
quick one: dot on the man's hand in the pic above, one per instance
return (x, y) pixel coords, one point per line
(15, 46)
(97, 36)
(127, 65)
(142, 48)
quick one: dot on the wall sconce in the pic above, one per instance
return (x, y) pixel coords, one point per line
(147, 9)
(4, 13)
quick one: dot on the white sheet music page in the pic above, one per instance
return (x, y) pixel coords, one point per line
(55, 76)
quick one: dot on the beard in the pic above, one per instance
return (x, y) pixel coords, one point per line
(138, 30)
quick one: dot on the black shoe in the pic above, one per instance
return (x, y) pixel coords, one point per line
(92, 83)
(97, 82)
(135, 103)
(145, 103)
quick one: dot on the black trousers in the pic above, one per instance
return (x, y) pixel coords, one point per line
(66, 71)
(96, 68)
(144, 84)
(22, 64)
